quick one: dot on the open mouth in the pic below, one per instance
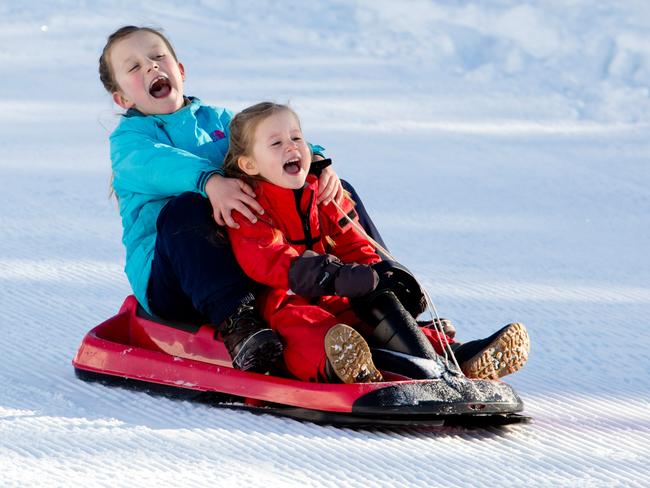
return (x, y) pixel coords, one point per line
(292, 166)
(160, 88)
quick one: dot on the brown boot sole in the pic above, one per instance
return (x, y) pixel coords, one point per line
(350, 356)
(506, 354)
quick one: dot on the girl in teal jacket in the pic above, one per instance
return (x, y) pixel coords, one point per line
(166, 155)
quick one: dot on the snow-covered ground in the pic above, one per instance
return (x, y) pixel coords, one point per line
(503, 151)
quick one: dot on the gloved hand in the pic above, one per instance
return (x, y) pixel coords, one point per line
(396, 278)
(315, 275)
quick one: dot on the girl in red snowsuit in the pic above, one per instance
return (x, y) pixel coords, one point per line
(294, 223)
(310, 256)
(291, 225)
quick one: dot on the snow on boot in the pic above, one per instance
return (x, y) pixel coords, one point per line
(251, 345)
(504, 352)
(349, 359)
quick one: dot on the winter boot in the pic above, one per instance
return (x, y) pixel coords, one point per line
(251, 345)
(503, 353)
(348, 357)
(393, 327)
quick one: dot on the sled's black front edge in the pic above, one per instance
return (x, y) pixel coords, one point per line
(370, 422)
(494, 420)
(423, 399)
(340, 419)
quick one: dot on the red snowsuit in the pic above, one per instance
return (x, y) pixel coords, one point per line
(291, 224)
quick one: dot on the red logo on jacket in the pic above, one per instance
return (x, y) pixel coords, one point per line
(217, 135)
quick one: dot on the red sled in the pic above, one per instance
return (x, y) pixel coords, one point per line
(135, 350)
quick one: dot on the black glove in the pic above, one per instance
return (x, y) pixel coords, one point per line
(396, 278)
(317, 167)
(315, 275)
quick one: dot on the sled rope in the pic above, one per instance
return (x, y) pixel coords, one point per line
(433, 311)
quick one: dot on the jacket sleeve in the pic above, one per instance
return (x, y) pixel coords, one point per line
(349, 244)
(262, 251)
(142, 164)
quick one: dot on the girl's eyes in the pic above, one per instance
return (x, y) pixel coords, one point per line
(136, 66)
(294, 138)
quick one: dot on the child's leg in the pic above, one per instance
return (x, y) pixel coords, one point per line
(195, 277)
(502, 353)
(194, 272)
(438, 340)
(317, 347)
(303, 329)
(393, 327)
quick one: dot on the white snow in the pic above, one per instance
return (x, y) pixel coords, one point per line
(502, 148)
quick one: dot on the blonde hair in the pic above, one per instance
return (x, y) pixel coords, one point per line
(242, 132)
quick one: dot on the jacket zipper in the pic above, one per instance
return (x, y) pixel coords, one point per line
(304, 218)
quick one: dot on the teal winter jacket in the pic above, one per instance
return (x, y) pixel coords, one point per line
(155, 158)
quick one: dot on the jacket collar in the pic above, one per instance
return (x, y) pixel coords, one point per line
(191, 103)
(278, 195)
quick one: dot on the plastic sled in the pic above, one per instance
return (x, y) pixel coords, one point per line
(135, 350)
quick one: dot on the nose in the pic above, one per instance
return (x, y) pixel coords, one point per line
(153, 65)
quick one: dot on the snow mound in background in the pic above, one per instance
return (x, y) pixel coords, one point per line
(598, 54)
(592, 59)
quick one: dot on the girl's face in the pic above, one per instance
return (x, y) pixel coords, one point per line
(149, 77)
(280, 154)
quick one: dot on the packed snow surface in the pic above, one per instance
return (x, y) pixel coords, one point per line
(502, 149)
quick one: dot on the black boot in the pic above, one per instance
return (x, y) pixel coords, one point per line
(503, 353)
(250, 343)
(394, 328)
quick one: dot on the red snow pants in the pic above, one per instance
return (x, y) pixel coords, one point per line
(302, 327)
(436, 339)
